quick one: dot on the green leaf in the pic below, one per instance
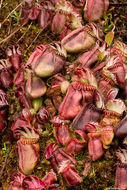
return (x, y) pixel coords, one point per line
(109, 37)
(37, 103)
(16, 15)
(108, 28)
(101, 56)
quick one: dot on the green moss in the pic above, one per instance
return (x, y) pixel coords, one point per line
(101, 176)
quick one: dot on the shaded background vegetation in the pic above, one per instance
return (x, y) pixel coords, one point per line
(102, 173)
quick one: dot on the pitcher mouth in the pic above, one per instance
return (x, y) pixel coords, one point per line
(27, 140)
(111, 113)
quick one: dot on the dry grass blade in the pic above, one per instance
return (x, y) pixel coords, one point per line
(118, 4)
(33, 41)
(16, 30)
(24, 33)
(5, 162)
(1, 4)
